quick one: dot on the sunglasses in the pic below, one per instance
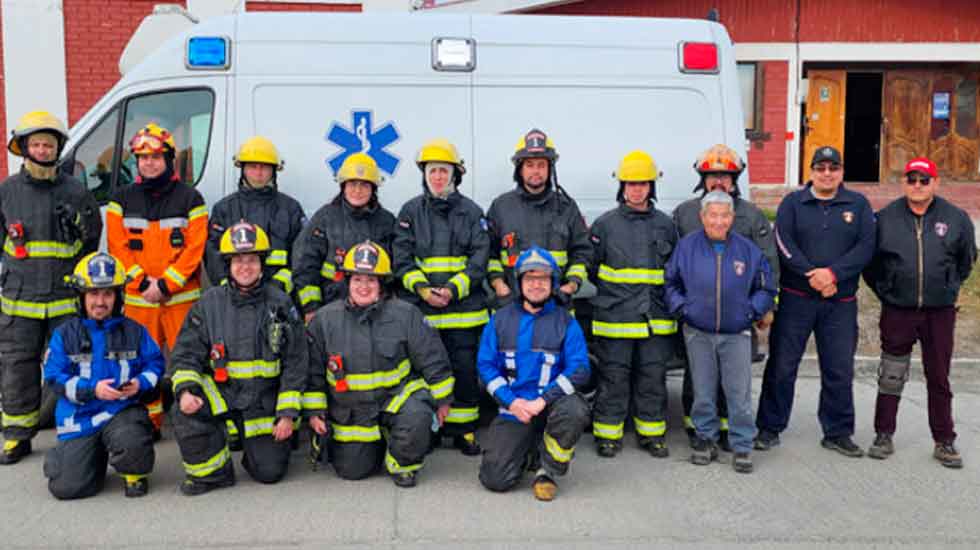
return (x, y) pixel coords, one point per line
(827, 168)
(921, 180)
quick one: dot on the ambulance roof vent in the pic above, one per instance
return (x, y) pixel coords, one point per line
(165, 21)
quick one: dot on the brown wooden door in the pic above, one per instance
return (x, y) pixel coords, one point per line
(907, 109)
(954, 143)
(825, 108)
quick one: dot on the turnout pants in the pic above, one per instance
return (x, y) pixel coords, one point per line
(204, 446)
(76, 468)
(464, 413)
(22, 344)
(399, 438)
(834, 324)
(552, 435)
(632, 376)
(933, 328)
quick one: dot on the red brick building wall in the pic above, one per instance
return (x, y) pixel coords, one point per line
(96, 32)
(301, 6)
(767, 158)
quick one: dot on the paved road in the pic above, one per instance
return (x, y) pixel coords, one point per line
(801, 496)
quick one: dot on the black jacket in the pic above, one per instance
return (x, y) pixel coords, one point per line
(921, 261)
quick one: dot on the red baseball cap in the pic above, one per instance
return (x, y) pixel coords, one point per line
(921, 164)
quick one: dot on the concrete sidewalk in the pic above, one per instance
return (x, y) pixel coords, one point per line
(801, 496)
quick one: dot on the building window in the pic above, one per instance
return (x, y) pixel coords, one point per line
(750, 86)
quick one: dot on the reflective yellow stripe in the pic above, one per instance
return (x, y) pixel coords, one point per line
(441, 264)
(494, 266)
(607, 431)
(375, 380)
(577, 270)
(135, 271)
(253, 369)
(207, 384)
(347, 434)
(179, 298)
(46, 249)
(463, 415)
(114, 208)
(285, 277)
(659, 327)
(259, 426)
(37, 310)
(277, 257)
(466, 319)
(309, 294)
(555, 450)
(232, 428)
(288, 400)
(650, 429)
(394, 467)
(688, 423)
(209, 466)
(396, 402)
(561, 257)
(724, 424)
(462, 283)
(413, 277)
(631, 276)
(441, 390)
(314, 400)
(328, 270)
(156, 407)
(175, 276)
(663, 327)
(28, 420)
(197, 212)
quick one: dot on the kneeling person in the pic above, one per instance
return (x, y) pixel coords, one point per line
(241, 356)
(382, 370)
(533, 359)
(100, 364)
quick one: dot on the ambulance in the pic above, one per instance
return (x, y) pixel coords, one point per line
(324, 86)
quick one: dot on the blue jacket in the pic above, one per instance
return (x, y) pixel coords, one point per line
(531, 355)
(83, 352)
(721, 293)
(838, 233)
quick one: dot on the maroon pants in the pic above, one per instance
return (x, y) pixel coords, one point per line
(933, 328)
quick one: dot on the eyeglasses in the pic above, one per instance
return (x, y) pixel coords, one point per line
(921, 180)
(827, 168)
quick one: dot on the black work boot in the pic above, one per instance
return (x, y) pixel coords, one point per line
(766, 440)
(404, 479)
(723, 443)
(656, 446)
(136, 486)
(843, 445)
(467, 444)
(882, 448)
(14, 450)
(608, 448)
(704, 452)
(192, 487)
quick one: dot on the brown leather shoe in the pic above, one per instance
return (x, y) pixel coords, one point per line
(947, 455)
(545, 488)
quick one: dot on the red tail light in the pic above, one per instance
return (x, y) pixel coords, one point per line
(698, 57)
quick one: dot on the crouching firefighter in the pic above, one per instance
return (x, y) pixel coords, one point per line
(240, 356)
(383, 372)
(533, 360)
(101, 365)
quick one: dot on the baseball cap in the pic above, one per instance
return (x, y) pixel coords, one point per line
(826, 154)
(921, 164)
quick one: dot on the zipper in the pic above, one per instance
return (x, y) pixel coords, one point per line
(920, 260)
(717, 292)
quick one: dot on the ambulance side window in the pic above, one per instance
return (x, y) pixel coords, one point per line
(93, 159)
(187, 114)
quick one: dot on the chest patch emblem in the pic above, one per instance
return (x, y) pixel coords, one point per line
(739, 268)
(941, 229)
(848, 216)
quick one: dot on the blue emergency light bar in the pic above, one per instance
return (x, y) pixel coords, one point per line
(208, 52)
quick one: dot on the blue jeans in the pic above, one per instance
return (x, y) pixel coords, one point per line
(727, 357)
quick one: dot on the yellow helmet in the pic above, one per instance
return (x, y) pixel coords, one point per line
(98, 270)
(368, 258)
(33, 122)
(439, 150)
(637, 166)
(151, 139)
(534, 144)
(244, 238)
(359, 166)
(719, 158)
(260, 150)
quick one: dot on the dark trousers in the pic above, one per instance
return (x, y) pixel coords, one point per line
(933, 328)
(464, 413)
(553, 434)
(22, 345)
(632, 376)
(834, 324)
(76, 468)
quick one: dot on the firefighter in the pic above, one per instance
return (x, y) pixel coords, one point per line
(630, 320)
(241, 356)
(718, 169)
(49, 222)
(158, 228)
(101, 364)
(441, 251)
(258, 200)
(383, 371)
(353, 216)
(534, 362)
(537, 213)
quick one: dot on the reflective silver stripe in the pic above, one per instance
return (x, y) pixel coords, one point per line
(69, 426)
(71, 389)
(100, 418)
(496, 384)
(123, 371)
(85, 369)
(510, 361)
(136, 223)
(151, 378)
(169, 223)
(549, 360)
(565, 384)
